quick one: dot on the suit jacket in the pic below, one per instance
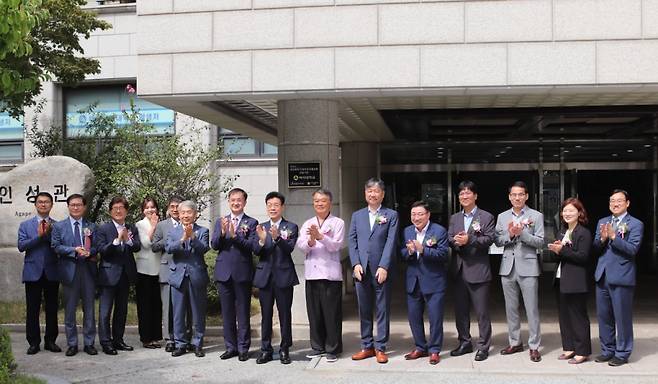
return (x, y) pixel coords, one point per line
(472, 259)
(158, 245)
(617, 257)
(234, 257)
(575, 262)
(115, 259)
(429, 270)
(187, 258)
(373, 248)
(39, 256)
(276, 257)
(62, 242)
(521, 251)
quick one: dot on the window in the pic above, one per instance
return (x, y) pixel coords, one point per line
(236, 145)
(11, 138)
(114, 100)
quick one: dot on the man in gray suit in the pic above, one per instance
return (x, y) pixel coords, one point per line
(520, 230)
(158, 245)
(470, 233)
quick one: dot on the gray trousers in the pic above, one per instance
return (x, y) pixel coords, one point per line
(83, 286)
(527, 287)
(168, 315)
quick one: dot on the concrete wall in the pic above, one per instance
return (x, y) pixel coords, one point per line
(254, 46)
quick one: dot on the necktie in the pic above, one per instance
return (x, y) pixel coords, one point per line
(615, 223)
(235, 223)
(43, 225)
(77, 240)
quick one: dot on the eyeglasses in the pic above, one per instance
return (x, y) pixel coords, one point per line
(617, 201)
(465, 193)
(515, 195)
(76, 205)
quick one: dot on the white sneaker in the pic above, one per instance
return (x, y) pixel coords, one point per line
(331, 358)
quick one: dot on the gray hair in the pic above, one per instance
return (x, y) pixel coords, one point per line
(325, 192)
(375, 182)
(188, 204)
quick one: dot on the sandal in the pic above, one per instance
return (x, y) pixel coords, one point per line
(578, 359)
(566, 356)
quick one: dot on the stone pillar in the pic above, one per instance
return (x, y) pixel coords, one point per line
(308, 131)
(360, 161)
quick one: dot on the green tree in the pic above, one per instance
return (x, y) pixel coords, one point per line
(40, 42)
(129, 160)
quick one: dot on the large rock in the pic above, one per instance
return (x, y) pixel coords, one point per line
(59, 175)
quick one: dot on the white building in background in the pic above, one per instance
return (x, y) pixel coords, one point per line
(560, 93)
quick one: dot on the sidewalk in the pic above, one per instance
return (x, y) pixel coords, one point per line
(146, 365)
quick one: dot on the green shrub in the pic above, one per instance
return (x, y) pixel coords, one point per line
(7, 364)
(213, 296)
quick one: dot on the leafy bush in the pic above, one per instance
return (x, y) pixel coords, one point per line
(213, 296)
(7, 364)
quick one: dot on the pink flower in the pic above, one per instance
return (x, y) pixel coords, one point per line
(130, 89)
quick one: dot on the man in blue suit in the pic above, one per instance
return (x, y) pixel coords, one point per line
(39, 275)
(116, 242)
(275, 276)
(372, 249)
(426, 252)
(234, 237)
(618, 238)
(188, 243)
(72, 240)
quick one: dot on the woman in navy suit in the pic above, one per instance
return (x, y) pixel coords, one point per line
(572, 279)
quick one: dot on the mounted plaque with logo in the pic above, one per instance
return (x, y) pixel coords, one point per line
(304, 175)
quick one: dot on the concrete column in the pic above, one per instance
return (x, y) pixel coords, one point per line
(360, 161)
(308, 131)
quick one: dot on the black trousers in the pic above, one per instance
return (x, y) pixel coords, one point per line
(283, 298)
(574, 323)
(113, 303)
(475, 296)
(324, 304)
(34, 291)
(149, 308)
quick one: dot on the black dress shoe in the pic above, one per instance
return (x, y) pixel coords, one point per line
(198, 352)
(52, 347)
(228, 354)
(603, 358)
(616, 362)
(33, 349)
(284, 356)
(122, 346)
(178, 352)
(91, 350)
(462, 350)
(170, 347)
(108, 350)
(264, 357)
(72, 351)
(191, 347)
(244, 356)
(481, 355)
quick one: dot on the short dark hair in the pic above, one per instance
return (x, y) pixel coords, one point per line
(375, 182)
(76, 196)
(519, 184)
(149, 199)
(582, 213)
(323, 191)
(175, 199)
(467, 184)
(421, 203)
(237, 190)
(275, 195)
(623, 192)
(118, 200)
(43, 194)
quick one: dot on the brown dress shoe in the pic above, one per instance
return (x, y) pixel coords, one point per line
(535, 356)
(415, 354)
(381, 357)
(435, 358)
(364, 354)
(512, 349)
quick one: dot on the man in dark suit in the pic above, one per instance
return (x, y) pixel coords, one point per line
(275, 276)
(188, 243)
(39, 275)
(426, 252)
(116, 242)
(72, 240)
(618, 238)
(234, 237)
(470, 234)
(158, 245)
(372, 248)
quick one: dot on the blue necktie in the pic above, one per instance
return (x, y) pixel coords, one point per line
(77, 240)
